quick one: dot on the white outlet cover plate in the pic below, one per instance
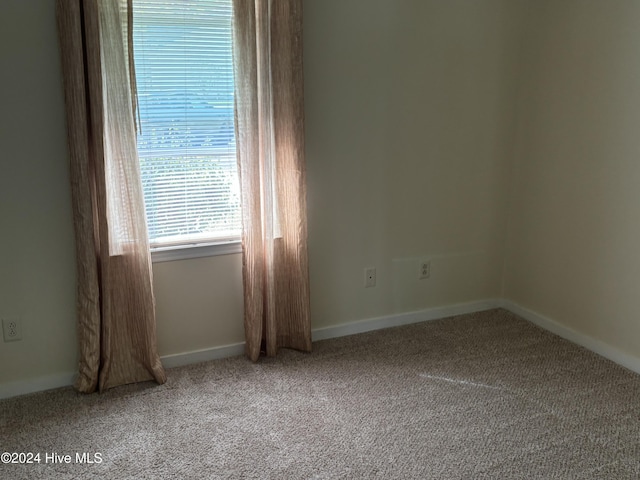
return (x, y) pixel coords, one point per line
(11, 329)
(424, 269)
(370, 277)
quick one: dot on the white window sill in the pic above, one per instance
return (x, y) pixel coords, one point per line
(197, 250)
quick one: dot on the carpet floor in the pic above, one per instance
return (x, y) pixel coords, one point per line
(486, 395)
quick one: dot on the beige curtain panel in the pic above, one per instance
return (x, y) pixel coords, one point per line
(270, 143)
(115, 304)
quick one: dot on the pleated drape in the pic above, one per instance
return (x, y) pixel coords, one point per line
(270, 145)
(115, 304)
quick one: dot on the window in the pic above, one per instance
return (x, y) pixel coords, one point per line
(184, 75)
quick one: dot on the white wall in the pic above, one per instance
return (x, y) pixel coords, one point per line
(199, 303)
(409, 111)
(575, 225)
(37, 269)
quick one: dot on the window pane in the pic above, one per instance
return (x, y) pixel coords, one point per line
(184, 72)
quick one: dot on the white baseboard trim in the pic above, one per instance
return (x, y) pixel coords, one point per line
(181, 359)
(395, 320)
(22, 387)
(199, 356)
(13, 389)
(612, 353)
(188, 358)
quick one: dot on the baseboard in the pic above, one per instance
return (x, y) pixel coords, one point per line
(199, 356)
(395, 320)
(13, 389)
(178, 360)
(22, 387)
(188, 358)
(612, 353)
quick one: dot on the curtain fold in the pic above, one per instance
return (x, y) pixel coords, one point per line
(115, 303)
(270, 146)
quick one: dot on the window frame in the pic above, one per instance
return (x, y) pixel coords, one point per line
(195, 248)
(199, 250)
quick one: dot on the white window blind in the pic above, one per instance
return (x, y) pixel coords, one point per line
(184, 73)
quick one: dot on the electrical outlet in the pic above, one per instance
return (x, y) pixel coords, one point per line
(425, 269)
(11, 329)
(370, 277)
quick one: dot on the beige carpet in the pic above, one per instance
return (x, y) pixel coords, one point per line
(477, 396)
